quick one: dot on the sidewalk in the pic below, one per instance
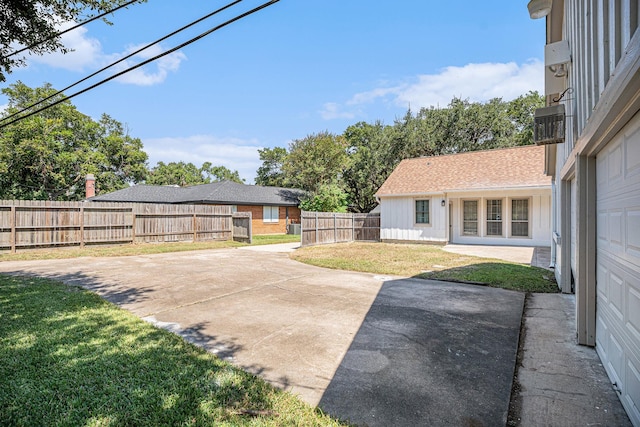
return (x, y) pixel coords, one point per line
(560, 382)
(536, 256)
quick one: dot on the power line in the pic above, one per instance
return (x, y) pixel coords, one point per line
(54, 36)
(121, 60)
(170, 51)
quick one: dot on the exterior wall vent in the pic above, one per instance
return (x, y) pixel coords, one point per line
(549, 125)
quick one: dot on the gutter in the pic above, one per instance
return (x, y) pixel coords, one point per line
(469, 190)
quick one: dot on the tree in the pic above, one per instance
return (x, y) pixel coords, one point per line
(315, 160)
(47, 156)
(184, 174)
(369, 163)
(521, 112)
(220, 173)
(36, 24)
(271, 173)
(326, 198)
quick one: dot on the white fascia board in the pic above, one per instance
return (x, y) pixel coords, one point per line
(469, 190)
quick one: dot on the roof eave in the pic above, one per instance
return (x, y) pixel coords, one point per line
(465, 190)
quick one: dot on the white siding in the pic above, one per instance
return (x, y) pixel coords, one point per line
(397, 219)
(604, 74)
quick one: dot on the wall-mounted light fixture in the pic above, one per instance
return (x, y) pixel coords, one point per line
(443, 203)
(557, 57)
(539, 8)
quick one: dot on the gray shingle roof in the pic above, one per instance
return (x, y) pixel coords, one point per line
(224, 193)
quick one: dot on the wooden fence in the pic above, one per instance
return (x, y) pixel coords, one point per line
(30, 224)
(328, 227)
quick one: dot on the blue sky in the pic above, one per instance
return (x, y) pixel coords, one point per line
(295, 68)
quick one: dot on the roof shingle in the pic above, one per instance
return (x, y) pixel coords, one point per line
(225, 192)
(516, 167)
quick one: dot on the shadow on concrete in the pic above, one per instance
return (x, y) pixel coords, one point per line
(112, 292)
(430, 353)
(122, 295)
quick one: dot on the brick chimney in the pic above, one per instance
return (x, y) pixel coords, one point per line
(90, 186)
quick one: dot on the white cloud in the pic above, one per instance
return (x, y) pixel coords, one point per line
(476, 82)
(86, 51)
(87, 55)
(233, 153)
(331, 110)
(152, 73)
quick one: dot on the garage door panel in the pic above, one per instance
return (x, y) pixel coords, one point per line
(602, 338)
(616, 292)
(602, 279)
(632, 152)
(615, 163)
(615, 230)
(633, 384)
(633, 232)
(602, 225)
(616, 361)
(633, 322)
(618, 263)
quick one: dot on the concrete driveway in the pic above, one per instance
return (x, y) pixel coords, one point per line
(371, 349)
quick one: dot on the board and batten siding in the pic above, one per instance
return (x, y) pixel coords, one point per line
(539, 218)
(397, 220)
(596, 175)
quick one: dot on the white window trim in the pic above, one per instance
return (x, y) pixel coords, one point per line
(268, 218)
(529, 220)
(478, 218)
(487, 220)
(415, 213)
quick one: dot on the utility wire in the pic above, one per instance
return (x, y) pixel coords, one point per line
(188, 42)
(54, 36)
(121, 60)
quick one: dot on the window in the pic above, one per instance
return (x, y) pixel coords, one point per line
(270, 213)
(422, 211)
(470, 217)
(520, 218)
(494, 217)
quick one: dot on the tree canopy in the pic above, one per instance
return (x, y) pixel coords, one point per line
(47, 156)
(36, 24)
(356, 163)
(184, 174)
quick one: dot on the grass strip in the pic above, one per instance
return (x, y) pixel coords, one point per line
(139, 249)
(67, 357)
(427, 262)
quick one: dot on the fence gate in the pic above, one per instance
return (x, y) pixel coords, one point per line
(331, 227)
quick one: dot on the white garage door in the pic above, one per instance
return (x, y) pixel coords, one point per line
(618, 264)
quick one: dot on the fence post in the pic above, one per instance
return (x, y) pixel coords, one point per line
(316, 240)
(133, 226)
(353, 227)
(195, 232)
(12, 221)
(81, 226)
(335, 228)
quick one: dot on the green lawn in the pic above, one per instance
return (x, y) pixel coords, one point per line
(427, 262)
(67, 357)
(138, 249)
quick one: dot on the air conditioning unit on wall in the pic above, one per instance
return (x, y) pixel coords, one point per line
(549, 125)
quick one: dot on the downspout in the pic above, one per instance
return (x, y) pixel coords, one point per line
(554, 223)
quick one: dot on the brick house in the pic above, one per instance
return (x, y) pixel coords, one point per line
(272, 208)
